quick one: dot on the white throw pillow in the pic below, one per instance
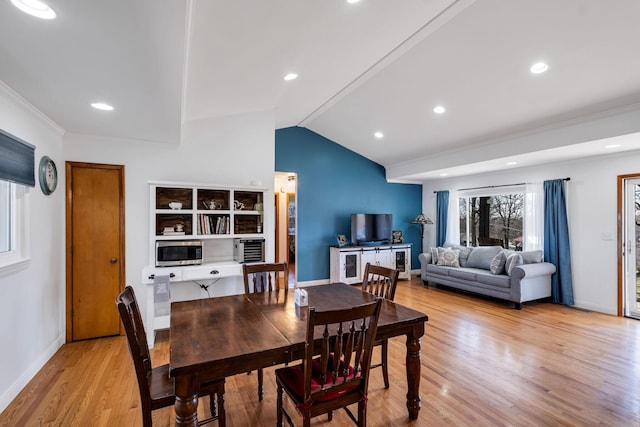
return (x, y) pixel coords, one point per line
(434, 255)
(512, 261)
(448, 257)
(497, 263)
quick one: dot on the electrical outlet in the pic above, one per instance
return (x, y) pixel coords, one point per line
(607, 235)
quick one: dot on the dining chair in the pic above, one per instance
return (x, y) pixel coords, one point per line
(339, 376)
(381, 281)
(264, 277)
(155, 385)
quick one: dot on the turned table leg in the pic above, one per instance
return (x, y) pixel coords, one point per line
(186, 406)
(413, 370)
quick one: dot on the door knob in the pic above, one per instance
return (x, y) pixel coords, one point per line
(113, 260)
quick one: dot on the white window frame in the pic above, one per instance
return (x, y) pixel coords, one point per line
(496, 191)
(18, 253)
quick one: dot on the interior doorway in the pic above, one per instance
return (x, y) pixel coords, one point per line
(629, 188)
(286, 222)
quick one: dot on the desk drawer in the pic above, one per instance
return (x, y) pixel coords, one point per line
(212, 271)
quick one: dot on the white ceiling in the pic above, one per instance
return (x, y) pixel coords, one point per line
(374, 65)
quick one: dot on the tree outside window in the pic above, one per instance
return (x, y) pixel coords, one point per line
(492, 220)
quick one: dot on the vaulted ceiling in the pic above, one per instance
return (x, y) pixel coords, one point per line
(374, 65)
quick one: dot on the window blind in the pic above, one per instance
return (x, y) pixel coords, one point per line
(16, 160)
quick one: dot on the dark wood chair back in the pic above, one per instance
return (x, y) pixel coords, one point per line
(380, 281)
(260, 278)
(155, 385)
(349, 345)
(137, 339)
(264, 277)
(339, 377)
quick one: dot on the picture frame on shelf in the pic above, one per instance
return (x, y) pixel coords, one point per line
(396, 236)
(341, 239)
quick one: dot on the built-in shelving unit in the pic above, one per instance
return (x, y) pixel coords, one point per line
(181, 212)
(213, 214)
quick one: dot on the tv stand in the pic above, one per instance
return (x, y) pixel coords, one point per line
(348, 262)
(381, 243)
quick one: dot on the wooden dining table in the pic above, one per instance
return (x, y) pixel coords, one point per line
(215, 338)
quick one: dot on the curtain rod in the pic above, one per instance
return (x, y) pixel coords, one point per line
(498, 186)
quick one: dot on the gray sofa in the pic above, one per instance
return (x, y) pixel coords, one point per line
(489, 270)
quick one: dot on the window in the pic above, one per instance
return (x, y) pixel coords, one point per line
(493, 219)
(5, 217)
(13, 224)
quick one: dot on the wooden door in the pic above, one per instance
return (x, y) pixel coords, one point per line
(95, 249)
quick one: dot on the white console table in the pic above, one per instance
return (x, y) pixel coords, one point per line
(220, 278)
(348, 262)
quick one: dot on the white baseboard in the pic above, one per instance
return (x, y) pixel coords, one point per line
(591, 307)
(15, 388)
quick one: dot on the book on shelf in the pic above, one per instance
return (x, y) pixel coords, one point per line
(172, 233)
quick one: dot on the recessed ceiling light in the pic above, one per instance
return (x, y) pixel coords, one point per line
(352, 1)
(612, 146)
(539, 67)
(512, 163)
(444, 174)
(102, 106)
(439, 109)
(379, 135)
(35, 8)
(291, 76)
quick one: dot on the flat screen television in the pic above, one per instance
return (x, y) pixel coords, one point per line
(368, 229)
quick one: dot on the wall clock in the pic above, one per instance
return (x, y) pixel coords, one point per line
(48, 175)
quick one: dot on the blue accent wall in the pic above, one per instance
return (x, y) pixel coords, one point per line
(333, 183)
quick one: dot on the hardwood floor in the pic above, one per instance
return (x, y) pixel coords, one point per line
(483, 364)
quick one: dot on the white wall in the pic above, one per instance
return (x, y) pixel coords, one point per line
(592, 205)
(235, 150)
(32, 297)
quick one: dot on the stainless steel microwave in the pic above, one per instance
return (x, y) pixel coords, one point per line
(178, 252)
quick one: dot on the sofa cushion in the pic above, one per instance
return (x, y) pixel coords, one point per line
(531, 257)
(448, 257)
(437, 270)
(497, 263)
(512, 261)
(464, 274)
(500, 280)
(508, 252)
(464, 252)
(481, 256)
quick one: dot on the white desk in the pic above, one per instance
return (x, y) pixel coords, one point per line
(221, 279)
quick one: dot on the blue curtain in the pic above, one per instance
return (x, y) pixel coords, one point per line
(442, 208)
(556, 241)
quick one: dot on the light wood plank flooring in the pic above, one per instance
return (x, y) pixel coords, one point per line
(483, 364)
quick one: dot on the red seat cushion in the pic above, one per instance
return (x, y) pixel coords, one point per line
(293, 378)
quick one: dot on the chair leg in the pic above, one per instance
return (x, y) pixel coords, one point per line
(385, 369)
(279, 406)
(362, 413)
(260, 386)
(213, 406)
(222, 416)
(146, 419)
(330, 415)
